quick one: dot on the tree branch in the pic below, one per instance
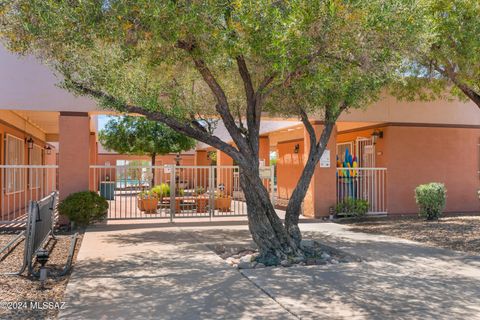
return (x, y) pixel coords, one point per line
(187, 129)
(449, 72)
(308, 127)
(298, 71)
(253, 118)
(222, 106)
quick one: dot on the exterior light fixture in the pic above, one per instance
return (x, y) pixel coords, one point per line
(377, 134)
(48, 149)
(29, 142)
(296, 148)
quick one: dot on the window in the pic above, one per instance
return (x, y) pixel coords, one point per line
(14, 155)
(342, 148)
(35, 174)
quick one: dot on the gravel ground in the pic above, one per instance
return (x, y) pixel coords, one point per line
(23, 289)
(244, 257)
(458, 233)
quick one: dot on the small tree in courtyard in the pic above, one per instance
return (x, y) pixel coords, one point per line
(190, 63)
(140, 136)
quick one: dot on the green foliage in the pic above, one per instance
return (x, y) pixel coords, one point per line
(431, 199)
(180, 192)
(140, 136)
(148, 194)
(351, 207)
(162, 190)
(84, 208)
(212, 155)
(341, 53)
(200, 190)
(448, 57)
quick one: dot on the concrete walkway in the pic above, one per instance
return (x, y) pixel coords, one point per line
(159, 273)
(166, 272)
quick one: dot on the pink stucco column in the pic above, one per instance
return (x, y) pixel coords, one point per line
(321, 194)
(264, 149)
(74, 152)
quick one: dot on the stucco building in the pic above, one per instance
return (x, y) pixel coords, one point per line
(396, 146)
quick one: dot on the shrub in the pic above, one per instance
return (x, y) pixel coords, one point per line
(351, 207)
(162, 190)
(431, 199)
(84, 208)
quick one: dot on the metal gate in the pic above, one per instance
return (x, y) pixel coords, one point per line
(363, 183)
(170, 191)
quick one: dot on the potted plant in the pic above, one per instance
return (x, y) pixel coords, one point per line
(178, 199)
(162, 191)
(148, 201)
(201, 199)
(223, 202)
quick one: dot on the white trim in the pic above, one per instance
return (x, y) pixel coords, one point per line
(21, 157)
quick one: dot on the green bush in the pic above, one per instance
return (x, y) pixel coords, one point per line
(162, 190)
(431, 199)
(84, 208)
(351, 207)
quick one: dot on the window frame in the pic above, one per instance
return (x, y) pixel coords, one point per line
(351, 145)
(14, 172)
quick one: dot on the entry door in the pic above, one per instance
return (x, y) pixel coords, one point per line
(366, 152)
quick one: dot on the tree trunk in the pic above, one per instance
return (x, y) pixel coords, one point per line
(267, 230)
(154, 156)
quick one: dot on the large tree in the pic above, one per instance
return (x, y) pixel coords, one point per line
(449, 65)
(189, 63)
(140, 136)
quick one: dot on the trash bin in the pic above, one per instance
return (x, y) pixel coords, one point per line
(107, 190)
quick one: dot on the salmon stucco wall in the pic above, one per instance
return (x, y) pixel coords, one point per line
(225, 174)
(322, 195)
(19, 200)
(74, 154)
(289, 166)
(417, 155)
(264, 150)
(202, 174)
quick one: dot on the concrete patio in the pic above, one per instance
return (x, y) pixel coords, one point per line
(165, 271)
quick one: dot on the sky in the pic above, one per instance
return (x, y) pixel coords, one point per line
(102, 120)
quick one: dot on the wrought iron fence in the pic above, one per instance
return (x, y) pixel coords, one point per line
(21, 184)
(170, 191)
(363, 183)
